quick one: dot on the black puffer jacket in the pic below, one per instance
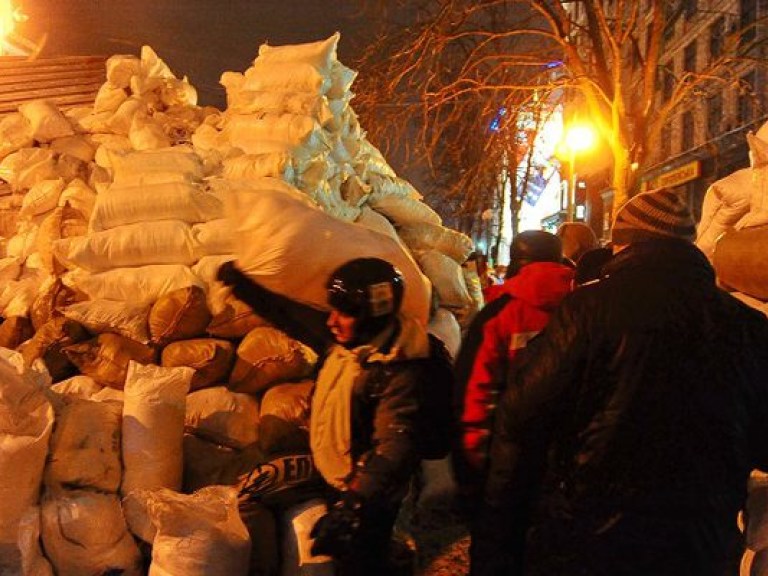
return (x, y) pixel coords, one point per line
(625, 444)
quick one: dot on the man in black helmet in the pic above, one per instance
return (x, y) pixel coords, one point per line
(365, 403)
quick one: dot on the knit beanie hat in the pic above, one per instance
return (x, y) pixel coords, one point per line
(659, 213)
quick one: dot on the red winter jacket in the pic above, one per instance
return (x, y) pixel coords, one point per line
(535, 292)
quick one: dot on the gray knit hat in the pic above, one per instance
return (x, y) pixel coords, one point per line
(659, 213)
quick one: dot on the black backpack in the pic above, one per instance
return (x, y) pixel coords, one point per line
(437, 424)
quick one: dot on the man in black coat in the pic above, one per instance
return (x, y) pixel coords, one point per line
(624, 445)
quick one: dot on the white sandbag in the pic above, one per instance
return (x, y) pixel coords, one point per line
(446, 277)
(296, 523)
(444, 325)
(372, 161)
(342, 78)
(146, 133)
(110, 146)
(77, 146)
(285, 77)
(84, 532)
(725, 203)
(85, 447)
(15, 134)
(221, 416)
(109, 98)
(153, 426)
(143, 244)
(24, 242)
(42, 197)
(292, 130)
(207, 268)
(46, 120)
(270, 102)
(213, 238)
(10, 268)
(378, 222)
(33, 562)
(319, 54)
(120, 69)
(206, 525)
(121, 120)
(272, 249)
(26, 167)
(426, 236)
(385, 185)
(79, 386)
(79, 196)
(248, 166)
(403, 210)
(144, 284)
(169, 201)
(126, 318)
(180, 160)
(26, 422)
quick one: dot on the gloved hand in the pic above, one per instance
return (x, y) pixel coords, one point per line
(334, 532)
(228, 273)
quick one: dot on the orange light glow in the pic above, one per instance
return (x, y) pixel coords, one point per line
(9, 16)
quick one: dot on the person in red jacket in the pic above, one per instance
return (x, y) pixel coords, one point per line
(535, 289)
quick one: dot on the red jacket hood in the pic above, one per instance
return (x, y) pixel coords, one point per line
(541, 284)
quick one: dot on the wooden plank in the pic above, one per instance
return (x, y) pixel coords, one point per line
(51, 78)
(48, 92)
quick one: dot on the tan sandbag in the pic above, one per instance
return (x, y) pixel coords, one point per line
(153, 427)
(265, 357)
(211, 358)
(125, 318)
(14, 330)
(179, 315)
(320, 54)
(84, 532)
(447, 278)
(284, 418)
(33, 561)
(206, 463)
(50, 342)
(206, 526)
(106, 357)
(61, 222)
(235, 320)
(222, 416)
(85, 447)
(50, 302)
(425, 236)
(741, 261)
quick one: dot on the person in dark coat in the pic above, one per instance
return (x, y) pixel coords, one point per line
(366, 404)
(624, 445)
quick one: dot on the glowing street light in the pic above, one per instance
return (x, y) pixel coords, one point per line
(578, 138)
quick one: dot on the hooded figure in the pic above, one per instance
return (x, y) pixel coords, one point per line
(624, 444)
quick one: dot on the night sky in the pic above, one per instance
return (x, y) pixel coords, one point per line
(197, 38)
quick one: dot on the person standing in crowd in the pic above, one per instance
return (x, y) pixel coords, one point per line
(578, 238)
(624, 444)
(366, 404)
(535, 285)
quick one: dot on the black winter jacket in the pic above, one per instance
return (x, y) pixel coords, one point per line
(624, 445)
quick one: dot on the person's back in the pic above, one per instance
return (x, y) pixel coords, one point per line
(634, 426)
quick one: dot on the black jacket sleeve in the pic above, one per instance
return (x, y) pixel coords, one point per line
(299, 321)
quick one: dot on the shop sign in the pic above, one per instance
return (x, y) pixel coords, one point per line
(681, 175)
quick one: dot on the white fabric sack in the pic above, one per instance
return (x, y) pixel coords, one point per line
(15, 134)
(285, 77)
(445, 326)
(10, 269)
(146, 133)
(222, 416)
(16, 298)
(160, 242)
(153, 426)
(206, 525)
(372, 160)
(373, 220)
(42, 197)
(214, 237)
(725, 203)
(128, 319)
(271, 102)
(26, 422)
(208, 267)
(85, 447)
(110, 146)
(79, 196)
(342, 78)
(426, 236)
(109, 98)
(78, 146)
(120, 122)
(176, 159)
(24, 242)
(84, 532)
(296, 522)
(144, 284)
(291, 130)
(33, 562)
(26, 167)
(46, 120)
(277, 235)
(249, 166)
(80, 386)
(447, 278)
(403, 210)
(319, 54)
(183, 201)
(385, 185)
(121, 68)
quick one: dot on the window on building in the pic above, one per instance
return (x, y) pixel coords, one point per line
(747, 20)
(665, 146)
(689, 8)
(687, 134)
(747, 98)
(714, 115)
(689, 57)
(667, 85)
(716, 38)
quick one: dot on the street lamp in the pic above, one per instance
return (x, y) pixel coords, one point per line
(578, 138)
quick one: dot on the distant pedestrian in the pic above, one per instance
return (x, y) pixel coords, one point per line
(624, 445)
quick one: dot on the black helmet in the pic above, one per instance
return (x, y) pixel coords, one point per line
(533, 246)
(366, 288)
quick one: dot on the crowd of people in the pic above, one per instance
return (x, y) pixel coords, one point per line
(603, 413)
